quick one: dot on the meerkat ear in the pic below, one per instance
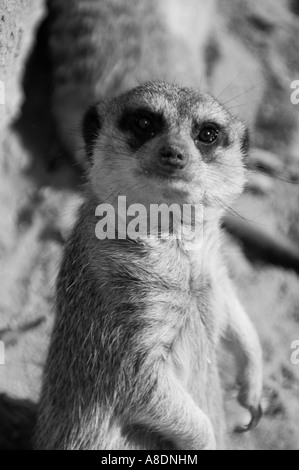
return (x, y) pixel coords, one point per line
(90, 127)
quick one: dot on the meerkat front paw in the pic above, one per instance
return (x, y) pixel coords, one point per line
(246, 348)
(250, 394)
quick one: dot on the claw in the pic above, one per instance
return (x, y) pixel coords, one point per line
(256, 415)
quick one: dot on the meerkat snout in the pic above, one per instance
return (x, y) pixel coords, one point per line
(173, 157)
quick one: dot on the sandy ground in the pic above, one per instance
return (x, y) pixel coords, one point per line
(39, 198)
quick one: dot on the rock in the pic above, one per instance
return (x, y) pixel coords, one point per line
(18, 22)
(17, 419)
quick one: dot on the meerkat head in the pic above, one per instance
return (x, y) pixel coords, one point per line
(160, 143)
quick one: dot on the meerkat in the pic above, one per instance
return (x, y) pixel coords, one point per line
(132, 361)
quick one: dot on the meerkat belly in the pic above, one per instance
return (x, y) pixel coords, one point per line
(191, 351)
(193, 356)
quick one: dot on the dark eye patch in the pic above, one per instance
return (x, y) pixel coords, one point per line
(142, 124)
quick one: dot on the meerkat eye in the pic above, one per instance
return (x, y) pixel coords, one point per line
(144, 123)
(143, 127)
(208, 134)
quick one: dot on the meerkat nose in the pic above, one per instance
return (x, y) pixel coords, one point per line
(173, 156)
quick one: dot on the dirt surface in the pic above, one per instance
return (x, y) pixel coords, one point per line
(251, 61)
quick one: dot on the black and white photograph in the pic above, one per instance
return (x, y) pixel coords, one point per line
(149, 227)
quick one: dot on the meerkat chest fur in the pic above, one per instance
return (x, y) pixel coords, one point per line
(191, 305)
(163, 297)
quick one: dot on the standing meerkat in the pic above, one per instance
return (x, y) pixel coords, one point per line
(133, 357)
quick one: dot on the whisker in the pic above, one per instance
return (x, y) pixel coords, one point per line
(134, 76)
(229, 85)
(243, 104)
(243, 93)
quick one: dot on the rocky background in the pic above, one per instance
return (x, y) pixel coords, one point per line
(251, 59)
